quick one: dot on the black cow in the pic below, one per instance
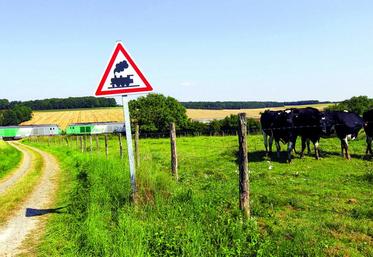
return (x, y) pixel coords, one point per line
(306, 123)
(277, 125)
(267, 121)
(368, 127)
(345, 124)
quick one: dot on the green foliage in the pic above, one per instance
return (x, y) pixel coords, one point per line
(15, 116)
(23, 113)
(154, 113)
(4, 103)
(358, 104)
(10, 118)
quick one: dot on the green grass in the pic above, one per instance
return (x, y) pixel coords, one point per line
(307, 208)
(10, 158)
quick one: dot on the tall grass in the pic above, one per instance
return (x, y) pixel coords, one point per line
(9, 158)
(308, 208)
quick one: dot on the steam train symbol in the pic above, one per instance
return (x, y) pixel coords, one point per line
(120, 82)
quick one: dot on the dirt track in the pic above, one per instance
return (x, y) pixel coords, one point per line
(19, 226)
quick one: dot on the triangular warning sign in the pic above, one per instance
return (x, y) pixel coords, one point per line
(122, 76)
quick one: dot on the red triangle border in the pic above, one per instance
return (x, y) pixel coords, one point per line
(120, 48)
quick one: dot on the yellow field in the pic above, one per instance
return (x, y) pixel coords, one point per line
(202, 114)
(65, 117)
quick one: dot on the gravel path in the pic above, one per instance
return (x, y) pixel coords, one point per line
(25, 166)
(19, 226)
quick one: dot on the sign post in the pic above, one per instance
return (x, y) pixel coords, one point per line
(123, 77)
(131, 158)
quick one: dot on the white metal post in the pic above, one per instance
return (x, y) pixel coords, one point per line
(129, 142)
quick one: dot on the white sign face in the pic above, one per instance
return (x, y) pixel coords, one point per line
(122, 76)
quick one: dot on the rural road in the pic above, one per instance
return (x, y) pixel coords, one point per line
(25, 165)
(20, 227)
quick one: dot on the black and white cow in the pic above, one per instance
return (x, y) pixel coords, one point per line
(267, 121)
(306, 122)
(345, 124)
(368, 127)
(277, 126)
(287, 125)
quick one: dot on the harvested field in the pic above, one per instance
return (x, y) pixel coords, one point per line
(65, 117)
(206, 115)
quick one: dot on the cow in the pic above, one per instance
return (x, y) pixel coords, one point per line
(267, 121)
(306, 123)
(368, 127)
(345, 124)
(277, 126)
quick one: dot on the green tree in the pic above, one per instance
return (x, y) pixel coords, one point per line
(154, 113)
(23, 113)
(358, 104)
(10, 118)
(4, 104)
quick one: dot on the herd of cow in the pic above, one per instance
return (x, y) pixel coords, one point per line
(310, 124)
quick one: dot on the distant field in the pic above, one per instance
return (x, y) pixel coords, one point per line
(65, 117)
(202, 114)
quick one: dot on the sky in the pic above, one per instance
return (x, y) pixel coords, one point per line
(192, 50)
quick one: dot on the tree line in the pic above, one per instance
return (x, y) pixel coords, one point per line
(154, 113)
(244, 105)
(15, 115)
(358, 104)
(61, 103)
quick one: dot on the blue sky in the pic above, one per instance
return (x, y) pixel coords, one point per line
(191, 50)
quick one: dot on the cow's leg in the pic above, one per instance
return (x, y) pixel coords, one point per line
(369, 145)
(270, 144)
(317, 150)
(265, 140)
(308, 147)
(278, 147)
(303, 147)
(290, 149)
(345, 146)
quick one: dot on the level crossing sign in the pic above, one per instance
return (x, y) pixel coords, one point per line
(122, 76)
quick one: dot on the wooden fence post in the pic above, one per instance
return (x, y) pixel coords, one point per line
(85, 142)
(97, 144)
(90, 143)
(137, 153)
(81, 143)
(244, 183)
(120, 146)
(173, 151)
(106, 147)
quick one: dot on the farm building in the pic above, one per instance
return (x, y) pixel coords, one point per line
(17, 132)
(95, 128)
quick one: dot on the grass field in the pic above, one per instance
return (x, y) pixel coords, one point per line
(65, 117)
(10, 158)
(307, 208)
